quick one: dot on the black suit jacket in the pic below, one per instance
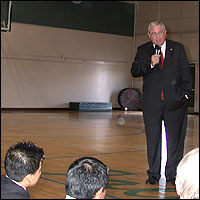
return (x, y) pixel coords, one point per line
(174, 79)
(10, 190)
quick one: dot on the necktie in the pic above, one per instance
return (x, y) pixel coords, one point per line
(161, 59)
(161, 65)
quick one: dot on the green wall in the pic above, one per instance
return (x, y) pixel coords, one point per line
(96, 16)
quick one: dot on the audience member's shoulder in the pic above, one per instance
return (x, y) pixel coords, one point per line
(3, 176)
(4, 179)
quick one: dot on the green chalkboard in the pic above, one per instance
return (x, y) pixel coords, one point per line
(96, 16)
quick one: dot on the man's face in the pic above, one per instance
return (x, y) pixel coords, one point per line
(157, 35)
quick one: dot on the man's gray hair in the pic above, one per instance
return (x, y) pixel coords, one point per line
(156, 23)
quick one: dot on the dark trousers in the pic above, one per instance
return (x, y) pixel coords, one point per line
(175, 125)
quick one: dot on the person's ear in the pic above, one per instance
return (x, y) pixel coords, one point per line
(149, 35)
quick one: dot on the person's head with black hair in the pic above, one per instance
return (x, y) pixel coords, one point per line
(23, 163)
(87, 178)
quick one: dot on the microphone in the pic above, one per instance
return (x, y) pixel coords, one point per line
(157, 49)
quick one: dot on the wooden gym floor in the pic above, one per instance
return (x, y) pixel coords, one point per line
(117, 138)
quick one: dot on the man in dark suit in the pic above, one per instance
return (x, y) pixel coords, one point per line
(23, 163)
(167, 88)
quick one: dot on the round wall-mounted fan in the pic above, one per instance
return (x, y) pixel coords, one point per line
(129, 99)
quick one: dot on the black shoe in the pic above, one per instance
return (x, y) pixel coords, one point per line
(171, 181)
(152, 180)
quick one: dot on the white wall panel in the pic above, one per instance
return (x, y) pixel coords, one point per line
(45, 67)
(29, 85)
